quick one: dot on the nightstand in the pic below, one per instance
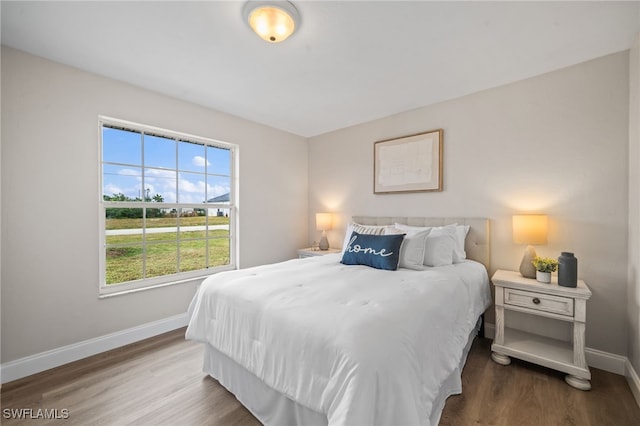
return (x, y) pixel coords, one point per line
(516, 293)
(310, 252)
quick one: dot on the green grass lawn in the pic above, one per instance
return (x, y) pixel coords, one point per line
(125, 253)
(165, 236)
(161, 222)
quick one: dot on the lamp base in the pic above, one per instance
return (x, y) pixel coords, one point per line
(527, 269)
(324, 242)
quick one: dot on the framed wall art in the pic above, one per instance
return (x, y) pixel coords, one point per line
(408, 164)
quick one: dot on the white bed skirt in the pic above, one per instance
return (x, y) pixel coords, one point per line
(273, 408)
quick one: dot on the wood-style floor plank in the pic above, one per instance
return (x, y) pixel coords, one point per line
(526, 394)
(159, 381)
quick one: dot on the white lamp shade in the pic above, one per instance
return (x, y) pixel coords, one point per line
(324, 221)
(530, 229)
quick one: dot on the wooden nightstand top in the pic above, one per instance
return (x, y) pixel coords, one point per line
(513, 279)
(309, 252)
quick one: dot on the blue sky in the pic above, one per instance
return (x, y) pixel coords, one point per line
(203, 171)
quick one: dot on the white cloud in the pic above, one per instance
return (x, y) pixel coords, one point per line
(129, 172)
(164, 174)
(110, 189)
(200, 161)
(169, 197)
(163, 182)
(216, 190)
(188, 186)
(190, 192)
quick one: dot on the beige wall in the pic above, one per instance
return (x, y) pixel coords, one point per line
(633, 291)
(555, 144)
(0, 217)
(50, 196)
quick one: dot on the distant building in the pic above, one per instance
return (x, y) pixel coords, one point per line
(224, 198)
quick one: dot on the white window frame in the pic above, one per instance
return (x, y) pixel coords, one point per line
(180, 277)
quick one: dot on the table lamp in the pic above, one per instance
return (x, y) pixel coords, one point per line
(324, 222)
(530, 229)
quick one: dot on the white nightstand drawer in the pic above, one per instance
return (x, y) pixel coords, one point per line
(539, 301)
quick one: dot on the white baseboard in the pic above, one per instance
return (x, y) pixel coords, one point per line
(23, 367)
(606, 361)
(634, 381)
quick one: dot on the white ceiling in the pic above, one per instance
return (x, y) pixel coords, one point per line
(349, 62)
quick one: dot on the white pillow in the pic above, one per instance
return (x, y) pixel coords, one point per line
(412, 249)
(361, 229)
(440, 246)
(460, 235)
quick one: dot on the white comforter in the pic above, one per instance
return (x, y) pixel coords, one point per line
(361, 345)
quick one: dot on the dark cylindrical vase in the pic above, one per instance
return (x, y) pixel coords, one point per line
(567, 270)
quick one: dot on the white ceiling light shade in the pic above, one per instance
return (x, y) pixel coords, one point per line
(273, 21)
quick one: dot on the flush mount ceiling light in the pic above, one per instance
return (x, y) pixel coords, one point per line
(273, 21)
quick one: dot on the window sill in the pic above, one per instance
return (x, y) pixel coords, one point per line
(194, 279)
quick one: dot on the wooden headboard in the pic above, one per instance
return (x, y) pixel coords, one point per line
(477, 244)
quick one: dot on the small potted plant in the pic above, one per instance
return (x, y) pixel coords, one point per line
(544, 267)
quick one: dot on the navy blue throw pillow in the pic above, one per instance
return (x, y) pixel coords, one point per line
(377, 251)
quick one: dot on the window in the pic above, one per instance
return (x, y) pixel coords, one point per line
(167, 206)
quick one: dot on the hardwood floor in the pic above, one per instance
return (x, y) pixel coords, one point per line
(160, 382)
(526, 394)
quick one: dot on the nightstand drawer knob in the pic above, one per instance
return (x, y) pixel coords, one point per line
(536, 300)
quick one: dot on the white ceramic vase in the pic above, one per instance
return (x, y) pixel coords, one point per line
(543, 277)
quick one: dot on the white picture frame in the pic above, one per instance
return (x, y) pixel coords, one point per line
(410, 163)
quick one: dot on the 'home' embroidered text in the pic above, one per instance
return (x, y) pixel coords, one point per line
(367, 250)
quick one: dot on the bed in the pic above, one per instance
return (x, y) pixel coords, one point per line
(314, 341)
